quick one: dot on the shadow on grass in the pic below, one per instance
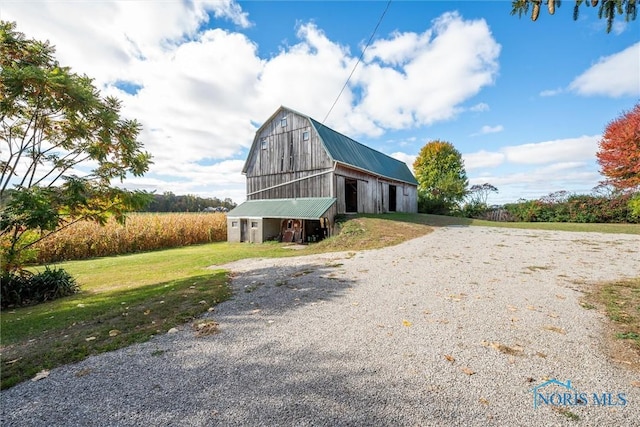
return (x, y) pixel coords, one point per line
(70, 329)
(260, 369)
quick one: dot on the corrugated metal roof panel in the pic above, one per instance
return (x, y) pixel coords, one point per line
(303, 208)
(345, 150)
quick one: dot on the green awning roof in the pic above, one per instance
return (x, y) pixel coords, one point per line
(303, 208)
(345, 150)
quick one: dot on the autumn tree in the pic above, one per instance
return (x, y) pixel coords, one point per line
(608, 9)
(442, 179)
(619, 151)
(61, 146)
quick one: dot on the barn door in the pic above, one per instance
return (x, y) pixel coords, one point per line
(392, 198)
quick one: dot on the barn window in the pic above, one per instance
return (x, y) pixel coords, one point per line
(291, 153)
(305, 136)
(283, 122)
(254, 224)
(405, 189)
(264, 143)
(234, 224)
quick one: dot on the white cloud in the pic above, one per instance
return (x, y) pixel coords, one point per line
(490, 129)
(203, 92)
(533, 183)
(482, 159)
(231, 10)
(551, 92)
(409, 159)
(614, 76)
(417, 92)
(564, 150)
(479, 108)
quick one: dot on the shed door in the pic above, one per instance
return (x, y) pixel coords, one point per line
(244, 230)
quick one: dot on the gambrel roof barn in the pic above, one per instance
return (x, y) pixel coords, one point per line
(298, 167)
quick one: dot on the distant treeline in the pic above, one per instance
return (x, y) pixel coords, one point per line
(169, 202)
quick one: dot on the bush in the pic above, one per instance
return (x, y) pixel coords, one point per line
(474, 209)
(25, 288)
(634, 207)
(616, 208)
(433, 206)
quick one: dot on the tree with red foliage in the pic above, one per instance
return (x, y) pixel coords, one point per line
(619, 154)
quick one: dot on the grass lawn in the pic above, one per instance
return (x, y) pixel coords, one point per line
(128, 299)
(620, 301)
(440, 221)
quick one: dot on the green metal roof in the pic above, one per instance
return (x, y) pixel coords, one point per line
(345, 150)
(303, 208)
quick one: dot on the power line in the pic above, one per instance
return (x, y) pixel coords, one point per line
(359, 60)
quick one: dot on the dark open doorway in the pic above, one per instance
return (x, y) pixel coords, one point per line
(351, 195)
(392, 198)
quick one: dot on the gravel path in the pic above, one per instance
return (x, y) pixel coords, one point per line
(453, 328)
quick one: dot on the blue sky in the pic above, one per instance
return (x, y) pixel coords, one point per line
(525, 103)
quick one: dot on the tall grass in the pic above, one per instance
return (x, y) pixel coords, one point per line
(141, 233)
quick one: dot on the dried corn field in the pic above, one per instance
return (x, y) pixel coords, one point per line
(142, 232)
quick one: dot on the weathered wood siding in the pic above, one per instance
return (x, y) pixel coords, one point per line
(408, 199)
(286, 150)
(373, 192)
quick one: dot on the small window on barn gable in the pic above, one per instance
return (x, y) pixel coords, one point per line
(234, 224)
(305, 135)
(283, 122)
(264, 143)
(254, 224)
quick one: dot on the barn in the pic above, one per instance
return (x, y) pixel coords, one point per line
(301, 174)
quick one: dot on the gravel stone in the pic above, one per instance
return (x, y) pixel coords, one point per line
(454, 328)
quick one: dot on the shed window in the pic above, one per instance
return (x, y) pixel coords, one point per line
(234, 224)
(405, 190)
(283, 122)
(264, 143)
(305, 136)
(254, 224)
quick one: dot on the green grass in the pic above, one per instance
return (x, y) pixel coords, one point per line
(130, 298)
(620, 300)
(441, 221)
(133, 296)
(127, 299)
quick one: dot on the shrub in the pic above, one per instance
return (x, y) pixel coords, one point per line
(474, 209)
(23, 287)
(614, 208)
(433, 206)
(634, 207)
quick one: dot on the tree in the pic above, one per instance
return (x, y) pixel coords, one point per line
(479, 194)
(608, 9)
(62, 145)
(442, 180)
(619, 151)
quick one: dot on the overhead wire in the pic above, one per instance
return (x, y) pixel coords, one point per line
(358, 61)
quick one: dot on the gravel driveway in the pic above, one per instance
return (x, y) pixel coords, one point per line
(453, 328)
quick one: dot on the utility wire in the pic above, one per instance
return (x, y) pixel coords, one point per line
(358, 61)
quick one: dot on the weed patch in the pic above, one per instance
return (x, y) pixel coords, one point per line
(620, 301)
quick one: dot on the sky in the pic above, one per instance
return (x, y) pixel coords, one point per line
(524, 102)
